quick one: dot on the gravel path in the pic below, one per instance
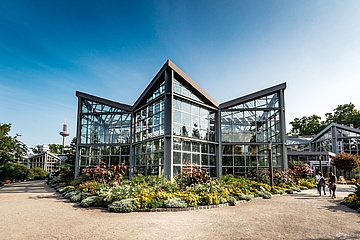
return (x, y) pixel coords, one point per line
(32, 210)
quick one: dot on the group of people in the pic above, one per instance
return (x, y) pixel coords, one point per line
(321, 183)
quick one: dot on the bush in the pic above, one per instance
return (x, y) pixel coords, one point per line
(232, 201)
(70, 194)
(88, 202)
(175, 203)
(296, 189)
(37, 173)
(124, 206)
(289, 191)
(246, 197)
(265, 194)
(223, 200)
(76, 197)
(10, 171)
(156, 203)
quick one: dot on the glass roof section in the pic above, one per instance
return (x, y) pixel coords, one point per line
(95, 107)
(269, 101)
(185, 91)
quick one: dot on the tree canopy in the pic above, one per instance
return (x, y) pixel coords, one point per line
(10, 147)
(346, 161)
(345, 114)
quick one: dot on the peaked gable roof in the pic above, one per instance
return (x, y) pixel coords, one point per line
(156, 81)
(340, 126)
(104, 101)
(253, 96)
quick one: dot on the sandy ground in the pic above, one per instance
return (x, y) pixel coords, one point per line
(32, 210)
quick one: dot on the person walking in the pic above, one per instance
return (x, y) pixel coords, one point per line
(49, 177)
(320, 181)
(332, 184)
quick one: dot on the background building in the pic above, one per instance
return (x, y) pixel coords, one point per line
(44, 159)
(175, 123)
(318, 150)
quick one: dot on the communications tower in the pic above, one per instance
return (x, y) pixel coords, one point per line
(64, 133)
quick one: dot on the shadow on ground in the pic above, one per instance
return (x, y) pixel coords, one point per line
(344, 236)
(38, 186)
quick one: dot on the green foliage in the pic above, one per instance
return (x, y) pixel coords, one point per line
(346, 161)
(232, 201)
(37, 173)
(353, 199)
(66, 173)
(155, 192)
(13, 171)
(175, 203)
(345, 114)
(265, 194)
(69, 194)
(88, 202)
(56, 148)
(289, 191)
(246, 197)
(10, 147)
(307, 125)
(123, 206)
(156, 203)
(76, 197)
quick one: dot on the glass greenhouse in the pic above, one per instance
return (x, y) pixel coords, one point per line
(174, 123)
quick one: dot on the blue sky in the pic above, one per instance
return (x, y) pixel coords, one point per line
(113, 49)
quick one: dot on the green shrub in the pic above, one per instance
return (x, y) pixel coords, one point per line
(69, 194)
(61, 189)
(88, 202)
(16, 171)
(124, 206)
(232, 201)
(76, 197)
(265, 194)
(156, 203)
(246, 197)
(281, 191)
(296, 189)
(37, 173)
(289, 191)
(222, 200)
(175, 203)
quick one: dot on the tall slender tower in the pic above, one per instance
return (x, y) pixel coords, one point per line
(64, 133)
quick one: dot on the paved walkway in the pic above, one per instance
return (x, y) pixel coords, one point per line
(32, 210)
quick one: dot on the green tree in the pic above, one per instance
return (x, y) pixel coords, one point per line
(36, 149)
(307, 125)
(37, 173)
(10, 147)
(344, 114)
(56, 148)
(13, 171)
(346, 161)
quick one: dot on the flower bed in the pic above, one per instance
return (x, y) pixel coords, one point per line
(150, 193)
(353, 200)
